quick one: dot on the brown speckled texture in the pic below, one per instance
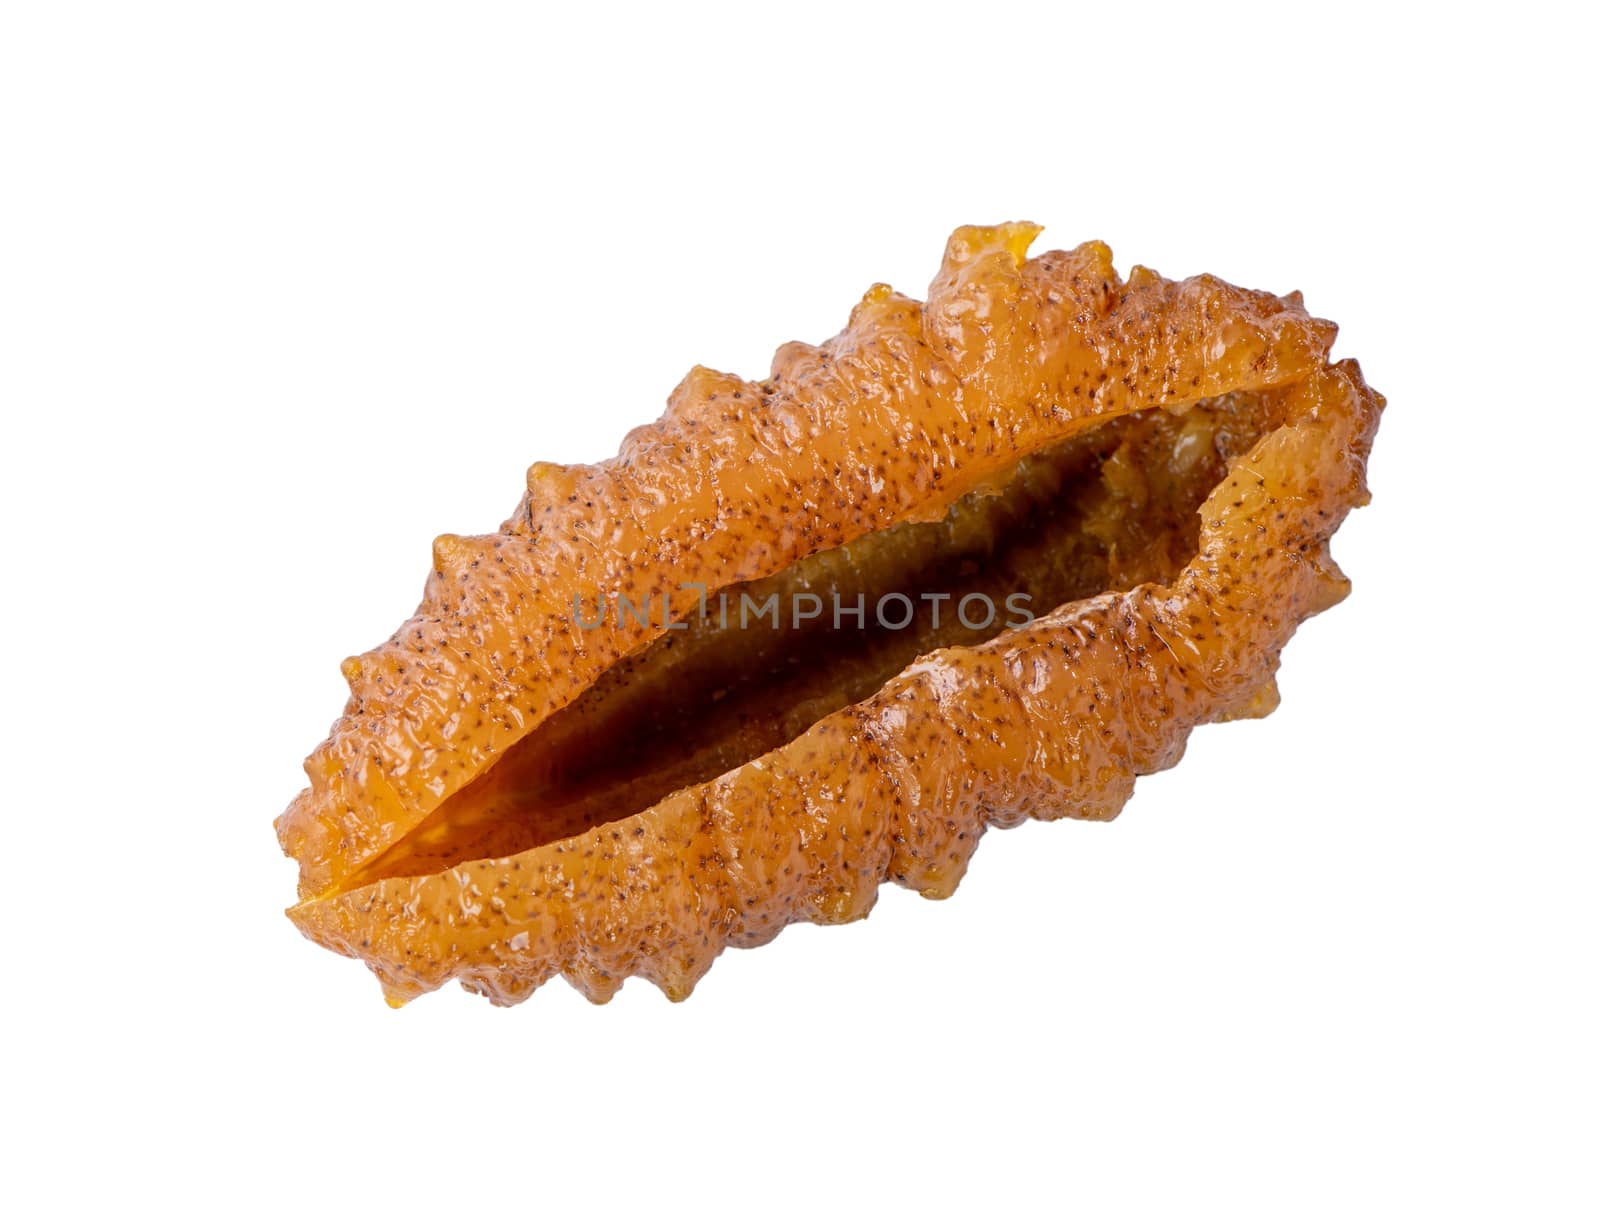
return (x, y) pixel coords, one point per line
(907, 410)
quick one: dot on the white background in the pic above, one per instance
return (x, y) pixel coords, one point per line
(287, 289)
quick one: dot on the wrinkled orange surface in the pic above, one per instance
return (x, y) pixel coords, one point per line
(509, 796)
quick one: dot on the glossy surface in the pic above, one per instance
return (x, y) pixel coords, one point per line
(510, 796)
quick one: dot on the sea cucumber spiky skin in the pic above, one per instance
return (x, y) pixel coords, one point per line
(906, 410)
(1054, 719)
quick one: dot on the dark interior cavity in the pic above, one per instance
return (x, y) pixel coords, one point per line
(1105, 510)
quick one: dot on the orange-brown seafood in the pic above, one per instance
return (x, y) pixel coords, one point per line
(663, 711)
